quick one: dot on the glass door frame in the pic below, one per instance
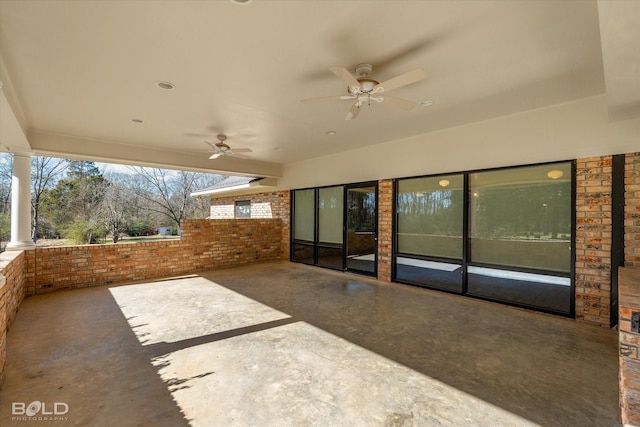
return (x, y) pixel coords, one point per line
(348, 187)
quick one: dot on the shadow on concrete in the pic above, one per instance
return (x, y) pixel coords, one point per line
(158, 349)
(76, 347)
(546, 369)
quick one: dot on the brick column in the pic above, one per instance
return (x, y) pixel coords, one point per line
(593, 240)
(629, 295)
(632, 210)
(385, 228)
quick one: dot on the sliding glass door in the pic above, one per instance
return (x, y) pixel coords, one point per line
(336, 227)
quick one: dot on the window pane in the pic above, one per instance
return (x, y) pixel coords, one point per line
(330, 257)
(521, 217)
(243, 209)
(534, 290)
(440, 275)
(303, 253)
(430, 216)
(330, 214)
(303, 216)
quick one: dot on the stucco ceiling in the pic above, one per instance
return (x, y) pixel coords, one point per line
(77, 72)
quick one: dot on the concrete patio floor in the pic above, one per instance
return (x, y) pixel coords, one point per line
(284, 344)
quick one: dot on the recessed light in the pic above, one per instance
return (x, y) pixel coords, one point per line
(426, 103)
(277, 148)
(137, 121)
(240, 1)
(165, 85)
(330, 132)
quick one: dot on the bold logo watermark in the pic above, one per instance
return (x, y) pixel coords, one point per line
(39, 411)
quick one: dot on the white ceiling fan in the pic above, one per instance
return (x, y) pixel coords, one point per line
(363, 88)
(221, 148)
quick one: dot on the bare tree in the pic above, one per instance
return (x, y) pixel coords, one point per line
(45, 172)
(115, 208)
(168, 192)
(6, 163)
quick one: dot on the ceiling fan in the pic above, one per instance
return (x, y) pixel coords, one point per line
(364, 89)
(221, 148)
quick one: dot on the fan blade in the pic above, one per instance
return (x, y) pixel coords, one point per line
(353, 112)
(403, 80)
(215, 155)
(344, 74)
(242, 150)
(237, 156)
(325, 98)
(398, 102)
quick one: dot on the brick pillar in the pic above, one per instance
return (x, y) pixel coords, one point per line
(629, 295)
(385, 228)
(632, 210)
(593, 240)
(284, 213)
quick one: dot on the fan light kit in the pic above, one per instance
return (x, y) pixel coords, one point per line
(221, 148)
(363, 88)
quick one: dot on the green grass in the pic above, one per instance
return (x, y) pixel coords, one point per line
(44, 243)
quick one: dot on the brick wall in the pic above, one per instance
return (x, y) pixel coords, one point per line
(629, 296)
(275, 204)
(385, 228)
(13, 285)
(205, 244)
(632, 210)
(593, 240)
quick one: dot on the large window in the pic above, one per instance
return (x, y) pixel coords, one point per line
(520, 226)
(429, 231)
(502, 234)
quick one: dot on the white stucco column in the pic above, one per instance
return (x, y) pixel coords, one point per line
(21, 203)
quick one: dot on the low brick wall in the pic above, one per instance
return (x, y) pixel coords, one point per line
(13, 287)
(275, 204)
(205, 244)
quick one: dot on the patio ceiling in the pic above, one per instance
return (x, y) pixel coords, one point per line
(75, 74)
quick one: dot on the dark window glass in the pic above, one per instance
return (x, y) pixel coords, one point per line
(243, 209)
